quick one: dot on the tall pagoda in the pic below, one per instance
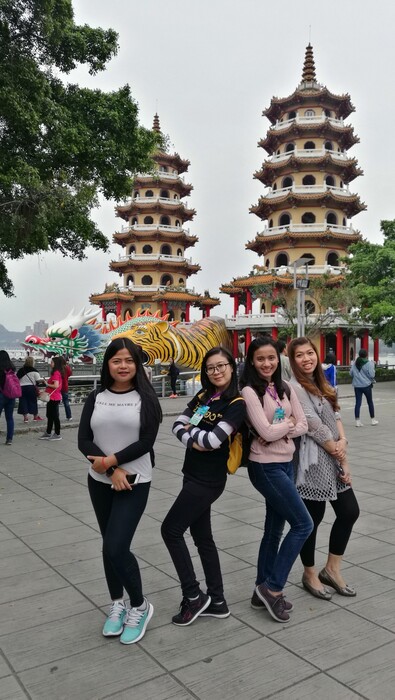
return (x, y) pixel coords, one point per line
(308, 206)
(153, 265)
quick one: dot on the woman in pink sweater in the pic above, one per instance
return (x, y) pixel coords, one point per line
(276, 417)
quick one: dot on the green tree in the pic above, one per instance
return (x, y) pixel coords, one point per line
(60, 145)
(372, 268)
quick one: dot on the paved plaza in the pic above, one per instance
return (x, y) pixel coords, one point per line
(53, 595)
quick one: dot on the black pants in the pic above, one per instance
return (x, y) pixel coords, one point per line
(53, 416)
(347, 512)
(118, 513)
(192, 509)
(173, 384)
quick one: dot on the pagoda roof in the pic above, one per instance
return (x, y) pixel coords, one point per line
(158, 179)
(146, 205)
(157, 234)
(271, 169)
(174, 295)
(152, 264)
(285, 280)
(111, 296)
(349, 204)
(262, 242)
(343, 134)
(172, 159)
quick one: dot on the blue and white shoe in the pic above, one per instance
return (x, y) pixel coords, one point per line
(113, 626)
(136, 623)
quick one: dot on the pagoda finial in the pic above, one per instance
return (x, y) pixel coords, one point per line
(156, 125)
(308, 75)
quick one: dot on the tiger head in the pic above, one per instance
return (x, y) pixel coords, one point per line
(158, 341)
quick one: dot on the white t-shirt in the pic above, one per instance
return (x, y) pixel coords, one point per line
(30, 379)
(115, 423)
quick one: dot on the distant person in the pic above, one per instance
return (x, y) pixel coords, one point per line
(65, 387)
(329, 367)
(7, 403)
(28, 378)
(285, 366)
(54, 390)
(173, 374)
(363, 372)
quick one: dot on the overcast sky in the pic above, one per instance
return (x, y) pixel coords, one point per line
(209, 67)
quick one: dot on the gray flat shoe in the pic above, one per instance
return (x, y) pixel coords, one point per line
(327, 579)
(323, 593)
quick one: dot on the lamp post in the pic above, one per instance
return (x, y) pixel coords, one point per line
(301, 285)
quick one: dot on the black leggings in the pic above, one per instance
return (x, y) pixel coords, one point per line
(347, 512)
(53, 416)
(192, 509)
(118, 513)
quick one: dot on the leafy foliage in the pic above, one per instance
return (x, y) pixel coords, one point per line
(372, 277)
(60, 145)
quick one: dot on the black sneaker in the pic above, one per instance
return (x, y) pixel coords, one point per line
(257, 604)
(190, 610)
(216, 610)
(275, 605)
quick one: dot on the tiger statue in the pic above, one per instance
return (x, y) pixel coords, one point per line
(187, 345)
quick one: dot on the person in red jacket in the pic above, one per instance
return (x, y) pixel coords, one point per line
(65, 388)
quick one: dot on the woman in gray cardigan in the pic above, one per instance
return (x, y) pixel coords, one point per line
(362, 373)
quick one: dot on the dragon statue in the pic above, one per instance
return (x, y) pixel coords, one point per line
(81, 336)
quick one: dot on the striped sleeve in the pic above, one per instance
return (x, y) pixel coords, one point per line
(212, 439)
(179, 430)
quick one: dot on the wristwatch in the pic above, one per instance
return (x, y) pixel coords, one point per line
(110, 471)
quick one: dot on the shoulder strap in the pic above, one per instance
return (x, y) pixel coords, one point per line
(238, 398)
(287, 390)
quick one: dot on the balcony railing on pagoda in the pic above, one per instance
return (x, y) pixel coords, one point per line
(152, 288)
(160, 174)
(155, 227)
(317, 119)
(277, 320)
(155, 200)
(309, 189)
(155, 256)
(307, 228)
(313, 269)
(308, 153)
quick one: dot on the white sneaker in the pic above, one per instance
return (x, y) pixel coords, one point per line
(374, 421)
(54, 436)
(358, 424)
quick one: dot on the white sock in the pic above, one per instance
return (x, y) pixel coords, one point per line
(119, 600)
(197, 598)
(143, 605)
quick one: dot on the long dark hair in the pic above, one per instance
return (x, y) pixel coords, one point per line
(250, 376)
(318, 385)
(209, 388)
(150, 406)
(58, 365)
(5, 364)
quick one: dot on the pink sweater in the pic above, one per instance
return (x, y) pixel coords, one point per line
(280, 447)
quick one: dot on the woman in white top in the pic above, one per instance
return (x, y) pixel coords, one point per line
(118, 427)
(28, 378)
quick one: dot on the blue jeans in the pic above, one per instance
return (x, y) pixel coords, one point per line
(360, 391)
(275, 482)
(66, 403)
(8, 405)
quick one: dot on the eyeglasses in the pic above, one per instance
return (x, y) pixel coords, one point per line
(218, 368)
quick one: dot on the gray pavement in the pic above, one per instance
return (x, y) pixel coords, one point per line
(53, 596)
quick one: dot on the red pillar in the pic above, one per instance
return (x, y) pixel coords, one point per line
(376, 350)
(207, 310)
(322, 347)
(274, 333)
(248, 301)
(236, 301)
(247, 339)
(164, 308)
(187, 311)
(118, 309)
(339, 346)
(365, 340)
(347, 358)
(103, 313)
(235, 344)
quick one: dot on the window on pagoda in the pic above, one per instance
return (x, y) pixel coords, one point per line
(308, 217)
(327, 112)
(263, 308)
(287, 182)
(163, 168)
(310, 257)
(328, 145)
(284, 220)
(309, 180)
(175, 196)
(330, 181)
(165, 249)
(309, 113)
(183, 316)
(136, 193)
(344, 221)
(147, 249)
(132, 249)
(292, 115)
(179, 252)
(331, 218)
(309, 307)
(166, 280)
(267, 263)
(171, 315)
(149, 193)
(281, 260)
(178, 223)
(333, 259)
(148, 220)
(164, 193)
(146, 279)
(164, 221)
(181, 280)
(130, 281)
(309, 146)
(289, 147)
(274, 186)
(135, 221)
(270, 223)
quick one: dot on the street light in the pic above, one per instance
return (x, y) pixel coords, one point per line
(301, 285)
